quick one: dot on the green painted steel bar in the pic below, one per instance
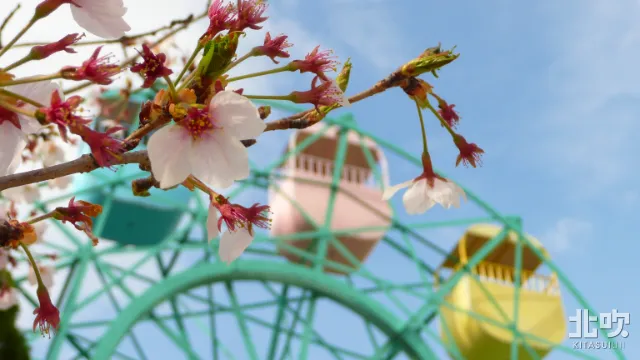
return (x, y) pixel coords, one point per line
(283, 273)
(213, 329)
(388, 351)
(472, 196)
(151, 252)
(99, 269)
(179, 339)
(517, 282)
(340, 158)
(318, 339)
(256, 305)
(308, 327)
(275, 334)
(242, 323)
(344, 252)
(68, 310)
(294, 323)
(528, 336)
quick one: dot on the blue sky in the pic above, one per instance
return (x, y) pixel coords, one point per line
(549, 91)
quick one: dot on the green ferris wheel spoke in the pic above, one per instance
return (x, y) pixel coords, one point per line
(212, 324)
(317, 338)
(308, 327)
(275, 333)
(294, 323)
(240, 318)
(151, 252)
(84, 353)
(180, 338)
(100, 271)
(328, 217)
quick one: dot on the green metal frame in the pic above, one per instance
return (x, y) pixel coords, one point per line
(382, 303)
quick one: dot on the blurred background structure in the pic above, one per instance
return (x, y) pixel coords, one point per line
(337, 276)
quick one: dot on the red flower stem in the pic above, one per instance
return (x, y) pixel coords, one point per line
(240, 59)
(40, 218)
(261, 73)
(18, 36)
(17, 109)
(20, 97)
(425, 148)
(32, 79)
(189, 62)
(33, 265)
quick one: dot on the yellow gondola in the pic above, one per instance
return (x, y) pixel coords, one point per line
(540, 314)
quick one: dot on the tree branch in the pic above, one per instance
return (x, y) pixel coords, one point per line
(127, 39)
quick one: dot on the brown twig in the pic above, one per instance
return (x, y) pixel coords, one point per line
(6, 21)
(86, 163)
(83, 164)
(307, 118)
(127, 39)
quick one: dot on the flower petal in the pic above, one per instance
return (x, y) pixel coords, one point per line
(237, 115)
(218, 160)
(212, 223)
(12, 142)
(168, 149)
(392, 190)
(39, 92)
(8, 299)
(101, 18)
(417, 199)
(233, 244)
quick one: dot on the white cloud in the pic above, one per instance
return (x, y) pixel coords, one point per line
(567, 233)
(586, 132)
(370, 32)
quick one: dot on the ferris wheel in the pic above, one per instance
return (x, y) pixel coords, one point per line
(339, 275)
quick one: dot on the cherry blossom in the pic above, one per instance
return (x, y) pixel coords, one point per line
(427, 190)
(51, 153)
(47, 315)
(46, 274)
(14, 127)
(41, 228)
(26, 194)
(273, 47)
(61, 182)
(240, 222)
(102, 18)
(328, 93)
(8, 299)
(206, 143)
(317, 62)
(152, 66)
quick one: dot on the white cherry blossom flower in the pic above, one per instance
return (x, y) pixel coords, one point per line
(40, 228)
(421, 196)
(46, 273)
(232, 243)
(8, 299)
(26, 194)
(61, 182)
(51, 153)
(14, 127)
(206, 144)
(103, 18)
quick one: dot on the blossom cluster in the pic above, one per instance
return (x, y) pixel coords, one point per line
(196, 128)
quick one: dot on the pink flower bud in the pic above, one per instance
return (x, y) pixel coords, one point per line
(44, 51)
